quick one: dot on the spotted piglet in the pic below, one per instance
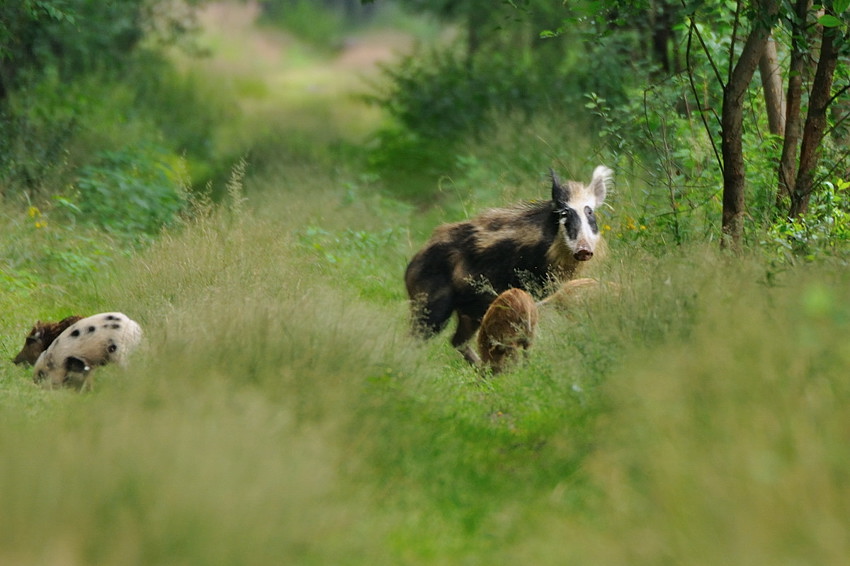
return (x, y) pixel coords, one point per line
(86, 344)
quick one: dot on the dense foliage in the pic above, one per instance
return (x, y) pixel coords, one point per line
(78, 78)
(653, 77)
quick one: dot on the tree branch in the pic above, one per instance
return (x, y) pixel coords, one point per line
(702, 111)
(693, 29)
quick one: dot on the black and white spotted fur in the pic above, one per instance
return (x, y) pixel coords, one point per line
(85, 345)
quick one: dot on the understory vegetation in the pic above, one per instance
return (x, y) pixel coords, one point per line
(255, 215)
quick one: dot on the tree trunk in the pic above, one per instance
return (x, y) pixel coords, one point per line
(787, 169)
(815, 128)
(731, 124)
(771, 82)
(662, 21)
(477, 18)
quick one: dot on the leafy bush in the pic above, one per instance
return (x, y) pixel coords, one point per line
(446, 100)
(76, 37)
(131, 191)
(655, 142)
(439, 102)
(52, 128)
(81, 76)
(823, 232)
(34, 151)
(441, 95)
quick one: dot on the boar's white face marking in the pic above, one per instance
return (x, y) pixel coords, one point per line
(575, 204)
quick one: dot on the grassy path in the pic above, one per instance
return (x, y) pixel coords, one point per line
(285, 84)
(279, 413)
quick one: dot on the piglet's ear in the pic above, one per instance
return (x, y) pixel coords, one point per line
(600, 182)
(560, 194)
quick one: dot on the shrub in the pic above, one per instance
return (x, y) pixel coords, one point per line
(131, 191)
(444, 95)
(445, 100)
(53, 128)
(823, 232)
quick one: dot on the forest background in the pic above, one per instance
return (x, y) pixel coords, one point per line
(247, 183)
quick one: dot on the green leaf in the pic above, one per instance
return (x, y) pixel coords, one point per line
(829, 21)
(840, 6)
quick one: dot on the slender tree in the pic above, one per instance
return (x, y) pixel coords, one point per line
(771, 83)
(787, 168)
(814, 129)
(732, 117)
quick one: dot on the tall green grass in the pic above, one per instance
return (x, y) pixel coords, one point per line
(279, 412)
(725, 443)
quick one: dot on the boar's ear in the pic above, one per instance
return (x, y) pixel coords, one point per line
(77, 365)
(599, 183)
(36, 333)
(560, 194)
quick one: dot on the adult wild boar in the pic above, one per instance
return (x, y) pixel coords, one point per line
(465, 265)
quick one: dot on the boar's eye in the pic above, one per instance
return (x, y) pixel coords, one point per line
(572, 222)
(591, 219)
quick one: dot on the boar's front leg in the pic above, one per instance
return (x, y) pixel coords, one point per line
(466, 327)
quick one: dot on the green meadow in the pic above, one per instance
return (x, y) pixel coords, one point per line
(692, 410)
